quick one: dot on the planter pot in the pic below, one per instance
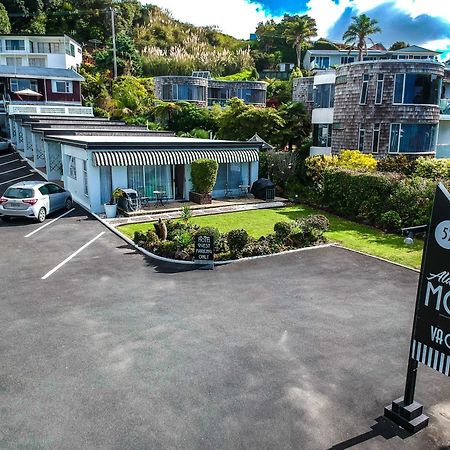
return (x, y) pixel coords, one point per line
(110, 211)
(201, 199)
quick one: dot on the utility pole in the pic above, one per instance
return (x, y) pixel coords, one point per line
(113, 29)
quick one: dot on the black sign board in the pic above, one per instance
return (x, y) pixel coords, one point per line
(431, 334)
(204, 249)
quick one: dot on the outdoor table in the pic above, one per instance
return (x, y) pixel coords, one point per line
(159, 197)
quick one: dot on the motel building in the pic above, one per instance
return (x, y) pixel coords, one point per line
(91, 157)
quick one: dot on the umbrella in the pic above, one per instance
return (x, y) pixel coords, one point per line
(28, 92)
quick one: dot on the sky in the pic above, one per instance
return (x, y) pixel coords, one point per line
(421, 22)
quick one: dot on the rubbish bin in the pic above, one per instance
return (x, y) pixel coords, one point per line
(263, 189)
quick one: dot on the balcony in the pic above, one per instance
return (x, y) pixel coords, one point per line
(50, 110)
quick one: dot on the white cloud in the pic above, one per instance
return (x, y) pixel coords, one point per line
(236, 17)
(414, 8)
(326, 13)
(442, 45)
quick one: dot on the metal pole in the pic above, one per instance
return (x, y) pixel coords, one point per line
(113, 30)
(411, 372)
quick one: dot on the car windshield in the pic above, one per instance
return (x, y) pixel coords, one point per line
(16, 192)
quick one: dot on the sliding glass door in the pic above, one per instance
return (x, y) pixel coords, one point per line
(148, 179)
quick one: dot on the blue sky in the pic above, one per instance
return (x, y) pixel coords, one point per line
(421, 22)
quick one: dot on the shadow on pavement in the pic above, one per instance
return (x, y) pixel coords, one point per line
(383, 428)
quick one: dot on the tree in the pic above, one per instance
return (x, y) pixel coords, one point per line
(299, 30)
(358, 33)
(191, 117)
(130, 94)
(398, 45)
(5, 25)
(166, 110)
(240, 121)
(297, 125)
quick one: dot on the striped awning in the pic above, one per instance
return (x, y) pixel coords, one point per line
(160, 157)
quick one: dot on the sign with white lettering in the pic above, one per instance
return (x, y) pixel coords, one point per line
(204, 249)
(431, 337)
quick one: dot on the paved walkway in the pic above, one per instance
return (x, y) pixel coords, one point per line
(196, 212)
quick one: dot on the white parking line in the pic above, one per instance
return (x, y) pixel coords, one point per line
(19, 178)
(9, 162)
(72, 256)
(9, 154)
(49, 223)
(12, 170)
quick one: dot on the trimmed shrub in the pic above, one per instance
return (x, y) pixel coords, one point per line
(283, 230)
(391, 221)
(433, 169)
(237, 240)
(316, 222)
(398, 164)
(315, 167)
(167, 249)
(204, 174)
(257, 248)
(355, 160)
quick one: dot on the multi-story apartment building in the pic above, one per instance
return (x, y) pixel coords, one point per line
(38, 74)
(382, 107)
(58, 52)
(204, 91)
(326, 59)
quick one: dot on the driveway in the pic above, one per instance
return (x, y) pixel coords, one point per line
(110, 351)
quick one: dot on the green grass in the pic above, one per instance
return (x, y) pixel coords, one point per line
(345, 232)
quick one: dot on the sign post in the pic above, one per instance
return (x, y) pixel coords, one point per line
(204, 251)
(430, 340)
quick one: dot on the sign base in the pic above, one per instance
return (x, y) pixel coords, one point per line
(410, 417)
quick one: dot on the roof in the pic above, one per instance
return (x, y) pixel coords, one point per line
(146, 142)
(39, 72)
(12, 35)
(415, 49)
(257, 138)
(343, 51)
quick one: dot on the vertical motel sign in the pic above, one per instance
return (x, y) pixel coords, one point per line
(430, 341)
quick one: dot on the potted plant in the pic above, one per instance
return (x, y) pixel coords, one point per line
(111, 206)
(204, 174)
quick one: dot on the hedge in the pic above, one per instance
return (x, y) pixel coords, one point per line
(204, 174)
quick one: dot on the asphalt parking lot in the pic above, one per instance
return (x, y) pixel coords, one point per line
(110, 351)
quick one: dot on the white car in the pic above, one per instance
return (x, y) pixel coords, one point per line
(34, 200)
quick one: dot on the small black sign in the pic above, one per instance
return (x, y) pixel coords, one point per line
(204, 249)
(431, 336)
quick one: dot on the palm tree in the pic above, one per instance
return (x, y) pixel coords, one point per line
(358, 32)
(165, 110)
(298, 30)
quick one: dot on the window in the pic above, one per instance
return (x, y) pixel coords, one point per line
(85, 179)
(347, 59)
(361, 136)
(230, 176)
(44, 190)
(341, 79)
(364, 88)
(47, 47)
(322, 135)
(62, 87)
(380, 88)
(252, 95)
(310, 94)
(15, 44)
(417, 89)
(412, 138)
(324, 96)
(19, 84)
(72, 50)
(13, 61)
(322, 62)
(54, 189)
(376, 138)
(72, 167)
(147, 179)
(183, 92)
(36, 62)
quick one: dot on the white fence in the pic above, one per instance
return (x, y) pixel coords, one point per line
(50, 110)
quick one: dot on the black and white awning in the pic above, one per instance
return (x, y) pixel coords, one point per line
(163, 157)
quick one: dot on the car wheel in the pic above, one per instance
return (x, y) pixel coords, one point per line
(41, 215)
(5, 218)
(68, 204)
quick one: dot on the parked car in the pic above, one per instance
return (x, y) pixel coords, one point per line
(34, 200)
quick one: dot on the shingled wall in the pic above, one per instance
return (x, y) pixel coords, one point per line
(349, 114)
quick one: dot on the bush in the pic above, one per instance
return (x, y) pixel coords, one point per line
(399, 164)
(315, 167)
(355, 160)
(237, 240)
(167, 249)
(433, 169)
(391, 221)
(183, 240)
(146, 240)
(283, 230)
(257, 248)
(209, 231)
(204, 174)
(317, 222)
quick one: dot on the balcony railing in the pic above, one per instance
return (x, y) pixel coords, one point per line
(50, 110)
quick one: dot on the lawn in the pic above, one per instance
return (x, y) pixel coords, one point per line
(349, 234)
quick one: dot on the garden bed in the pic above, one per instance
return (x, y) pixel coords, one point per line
(175, 239)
